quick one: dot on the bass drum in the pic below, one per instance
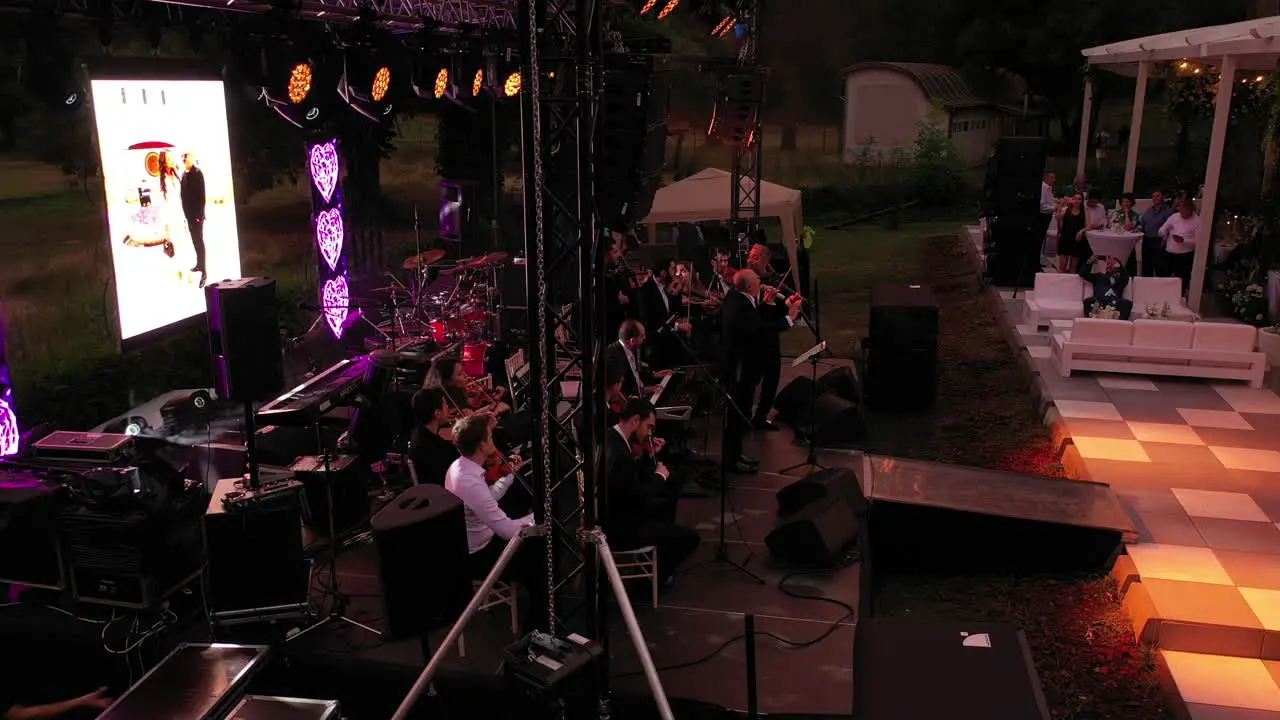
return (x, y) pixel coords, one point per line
(474, 357)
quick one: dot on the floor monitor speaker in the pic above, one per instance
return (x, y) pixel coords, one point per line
(814, 536)
(836, 484)
(421, 538)
(256, 560)
(346, 476)
(792, 402)
(244, 339)
(908, 669)
(843, 381)
(835, 421)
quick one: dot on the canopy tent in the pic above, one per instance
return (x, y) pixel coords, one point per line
(1244, 47)
(708, 195)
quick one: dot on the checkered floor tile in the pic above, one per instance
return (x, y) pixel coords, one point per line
(1197, 465)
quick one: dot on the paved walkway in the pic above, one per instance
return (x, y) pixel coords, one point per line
(1197, 465)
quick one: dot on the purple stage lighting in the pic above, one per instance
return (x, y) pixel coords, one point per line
(335, 297)
(329, 235)
(324, 168)
(8, 429)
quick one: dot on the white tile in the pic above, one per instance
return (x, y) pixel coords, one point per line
(1178, 562)
(1221, 505)
(1223, 419)
(1223, 681)
(1265, 604)
(1250, 400)
(1006, 294)
(1027, 331)
(1097, 448)
(1038, 351)
(1164, 433)
(1127, 383)
(1087, 410)
(1247, 459)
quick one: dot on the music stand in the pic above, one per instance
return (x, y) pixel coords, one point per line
(811, 459)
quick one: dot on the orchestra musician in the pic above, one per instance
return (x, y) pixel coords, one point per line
(488, 526)
(622, 359)
(641, 492)
(662, 307)
(620, 284)
(431, 448)
(721, 282)
(742, 335)
(772, 309)
(465, 396)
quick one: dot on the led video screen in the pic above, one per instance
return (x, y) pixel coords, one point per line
(171, 218)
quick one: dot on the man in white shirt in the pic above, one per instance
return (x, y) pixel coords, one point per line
(1048, 204)
(488, 527)
(1180, 233)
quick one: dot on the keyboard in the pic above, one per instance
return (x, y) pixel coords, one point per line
(305, 404)
(670, 400)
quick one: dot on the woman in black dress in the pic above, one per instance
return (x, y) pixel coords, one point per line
(1071, 240)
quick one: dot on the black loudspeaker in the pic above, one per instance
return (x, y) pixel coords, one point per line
(244, 339)
(1014, 173)
(350, 495)
(633, 118)
(903, 348)
(792, 401)
(836, 421)
(814, 536)
(907, 669)
(421, 538)
(835, 484)
(256, 556)
(1013, 250)
(843, 381)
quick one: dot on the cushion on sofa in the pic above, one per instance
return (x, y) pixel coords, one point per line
(1156, 291)
(1164, 334)
(1057, 286)
(1225, 337)
(1097, 331)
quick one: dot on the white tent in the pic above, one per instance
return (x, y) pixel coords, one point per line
(707, 195)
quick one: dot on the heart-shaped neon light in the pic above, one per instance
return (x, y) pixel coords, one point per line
(324, 168)
(334, 298)
(9, 435)
(329, 236)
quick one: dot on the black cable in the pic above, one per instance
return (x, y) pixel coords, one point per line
(849, 614)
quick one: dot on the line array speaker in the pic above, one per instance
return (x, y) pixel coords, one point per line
(1014, 172)
(244, 339)
(633, 117)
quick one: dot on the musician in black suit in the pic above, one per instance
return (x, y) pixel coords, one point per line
(641, 493)
(620, 302)
(430, 451)
(773, 309)
(623, 359)
(665, 313)
(743, 333)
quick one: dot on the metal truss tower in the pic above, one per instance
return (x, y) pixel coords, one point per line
(561, 54)
(744, 208)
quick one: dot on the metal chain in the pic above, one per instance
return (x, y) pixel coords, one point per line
(545, 372)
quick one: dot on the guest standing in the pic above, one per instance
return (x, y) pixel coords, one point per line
(1048, 207)
(1180, 233)
(1149, 224)
(1071, 242)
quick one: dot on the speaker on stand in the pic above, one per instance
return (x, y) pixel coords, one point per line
(902, 349)
(1011, 204)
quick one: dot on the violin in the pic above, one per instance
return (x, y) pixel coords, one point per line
(479, 396)
(616, 401)
(498, 466)
(643, 449)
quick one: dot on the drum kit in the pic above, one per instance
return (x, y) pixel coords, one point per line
(446, 305)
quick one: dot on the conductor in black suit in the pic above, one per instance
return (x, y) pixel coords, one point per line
(743, 333)
(193, 202)
(641, 494)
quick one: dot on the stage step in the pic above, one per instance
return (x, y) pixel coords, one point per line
(1217, 687)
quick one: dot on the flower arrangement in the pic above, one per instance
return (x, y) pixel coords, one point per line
(1104, 312)
(1156, 311)
(809, 235)
(1249, 303)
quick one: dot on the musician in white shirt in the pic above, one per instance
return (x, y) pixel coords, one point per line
(488, 527)
(1181, 232)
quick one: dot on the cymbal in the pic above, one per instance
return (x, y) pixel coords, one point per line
(390, 290)
(471, 263)
(496, 258)
(421, 260)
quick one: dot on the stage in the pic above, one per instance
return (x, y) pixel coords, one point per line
(695, 617)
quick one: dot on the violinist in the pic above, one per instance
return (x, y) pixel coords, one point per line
(464, 395)
(431, 447)
(721, 282)
(489, 527)
(620, 284)
(641, 492)
(614, 399)
(663, 308)
(772, 308)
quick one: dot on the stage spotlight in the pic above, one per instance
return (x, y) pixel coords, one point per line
(477, 83)
(442, 84)
(299, 83)
(294, 88)
(511, 86)
(648, 6)
(381, 83)
(366, 86)
(725, 27)
(668, 9)
(431, 78)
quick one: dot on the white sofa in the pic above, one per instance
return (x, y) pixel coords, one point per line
(1061, 296)
(1161, 347)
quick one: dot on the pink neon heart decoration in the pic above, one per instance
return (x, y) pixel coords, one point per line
(324, 168)
(329, 236)
(335, 297)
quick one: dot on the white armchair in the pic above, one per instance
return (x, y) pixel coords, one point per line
(1056, 296)
(1158, 291)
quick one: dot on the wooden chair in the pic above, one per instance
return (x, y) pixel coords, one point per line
(638, 564)
(502, 593)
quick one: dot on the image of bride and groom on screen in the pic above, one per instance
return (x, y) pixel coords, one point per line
(171, 203)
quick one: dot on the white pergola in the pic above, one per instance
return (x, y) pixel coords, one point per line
(1244, 47)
